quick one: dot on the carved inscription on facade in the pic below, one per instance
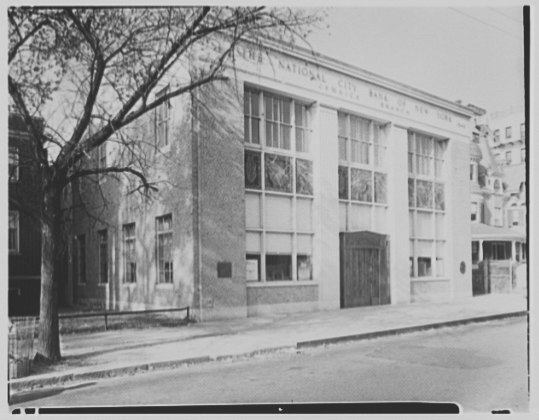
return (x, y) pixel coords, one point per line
(334, 84)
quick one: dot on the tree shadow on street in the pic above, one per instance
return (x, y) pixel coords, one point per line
(26, 396)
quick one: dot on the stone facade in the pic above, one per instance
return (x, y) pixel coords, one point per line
(265, 238)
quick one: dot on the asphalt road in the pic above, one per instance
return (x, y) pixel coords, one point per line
(482, 367)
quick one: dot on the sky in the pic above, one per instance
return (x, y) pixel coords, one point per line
(474, 54)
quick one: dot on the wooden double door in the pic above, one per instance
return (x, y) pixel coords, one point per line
(364, 269)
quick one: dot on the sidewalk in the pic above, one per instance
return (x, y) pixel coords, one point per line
(124, 352)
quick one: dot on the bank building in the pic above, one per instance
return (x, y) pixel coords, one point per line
(302, 183)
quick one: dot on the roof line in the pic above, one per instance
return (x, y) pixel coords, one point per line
(368, 76)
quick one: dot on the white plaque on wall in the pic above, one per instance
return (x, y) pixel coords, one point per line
(251, 270)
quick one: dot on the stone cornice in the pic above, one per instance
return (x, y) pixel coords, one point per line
(369, 77)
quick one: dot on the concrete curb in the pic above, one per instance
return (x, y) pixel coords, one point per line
(28, 384)
(406, 330)
(254, 353)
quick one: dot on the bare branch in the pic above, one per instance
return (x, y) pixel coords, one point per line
(97, 74)
(35, 131)
(23, 39)
(100, 171)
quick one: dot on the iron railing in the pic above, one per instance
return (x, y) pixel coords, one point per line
(107, 314)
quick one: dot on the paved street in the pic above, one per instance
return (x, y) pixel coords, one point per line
(480, 366)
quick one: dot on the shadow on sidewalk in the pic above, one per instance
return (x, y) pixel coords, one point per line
(26, 396)
(137, 346)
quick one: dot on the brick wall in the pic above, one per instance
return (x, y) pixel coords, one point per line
(221, 201)
(108, 205)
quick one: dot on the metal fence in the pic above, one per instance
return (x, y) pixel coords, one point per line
(109, 314)
(21, 346)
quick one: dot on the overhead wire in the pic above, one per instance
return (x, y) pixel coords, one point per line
(487, 24)
(506, 15)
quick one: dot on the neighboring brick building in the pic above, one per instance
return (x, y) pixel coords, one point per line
(302, 184)
(24, 233)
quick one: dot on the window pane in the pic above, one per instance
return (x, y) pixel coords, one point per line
(424, 225)
(364, 150)
(440, 225)
(424, 267)
(278, 267)
(301, 115)
(278, 173)
(379, 155)
(278, 212)
(252, 267)
(305, 244)
(411, 142)
(269, 134)
(275, 135)
(279, 243)
(439, 149)
(411, 192)
(285, 137)
(428, 146)
(424, 194)
(380, 188)
(361, 185)
(304, 177)
(275, 110)
(380, 219)
(301, 145)
(252, 241)
(255, 109)
(343, 215)
(360, 217)
(438, 165)
(304, 266)
(246, 130)
(355, 127)
(439, 197)
(252, 170)
(342, 124)
(285, 111)
(268, 107)
(164, 252)
(343, 155)
(411, 223)
(304, 219)
(252, 211)
(440, 257)
(255, 133)
(343, 182)
(246, 102)
(377, 134)
(129, 253)
(423, 248)
(355, 154)
(164, 249)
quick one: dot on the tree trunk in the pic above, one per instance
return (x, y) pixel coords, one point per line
(51, 266)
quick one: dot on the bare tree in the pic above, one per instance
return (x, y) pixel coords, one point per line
(86, 74)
